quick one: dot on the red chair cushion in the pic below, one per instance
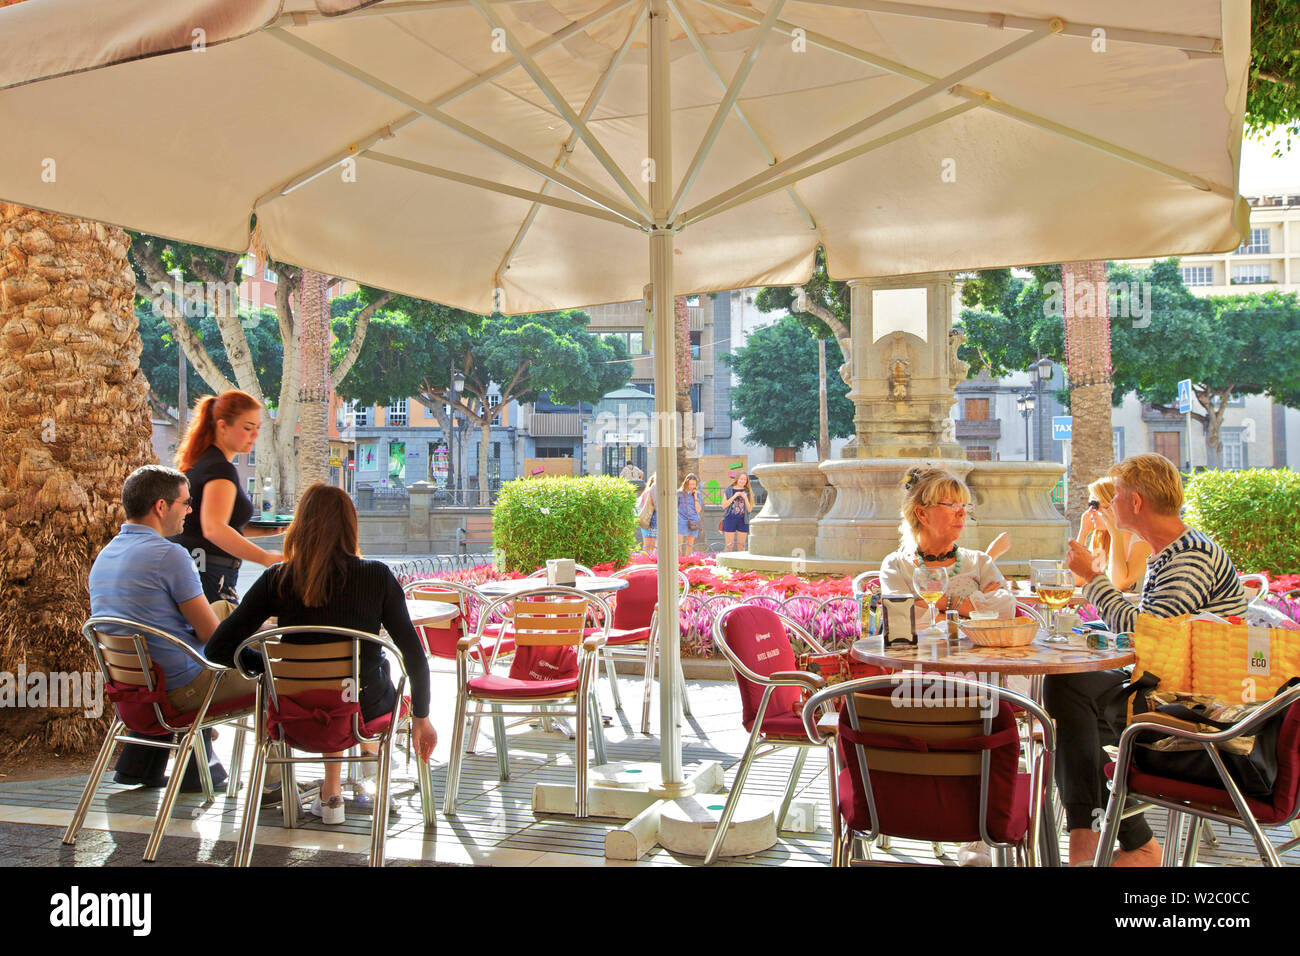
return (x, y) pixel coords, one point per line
(757, 636)
(619, 637)
(440, 640)
(493, 686)
(944, 809)
(784, 725)
(135, 706)
(317, 721)
(541, 663)
(635, 604)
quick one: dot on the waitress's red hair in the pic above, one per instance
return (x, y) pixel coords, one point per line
(202, 432)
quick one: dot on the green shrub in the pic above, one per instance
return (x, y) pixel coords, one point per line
(1254, 515)
(590, 519)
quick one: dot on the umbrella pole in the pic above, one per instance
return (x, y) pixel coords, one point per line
(668, 432)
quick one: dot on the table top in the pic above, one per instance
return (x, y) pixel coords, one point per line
(592, 585)
(1036, 658)
(430, 612)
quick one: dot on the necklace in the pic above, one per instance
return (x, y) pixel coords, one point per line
(920, 556)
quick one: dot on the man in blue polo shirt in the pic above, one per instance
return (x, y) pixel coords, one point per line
(142, 576)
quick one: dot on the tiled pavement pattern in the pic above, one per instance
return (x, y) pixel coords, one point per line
(494, 823)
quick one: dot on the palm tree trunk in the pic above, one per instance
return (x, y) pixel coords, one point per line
(313, 321)
(1087, 362)
(74, 422)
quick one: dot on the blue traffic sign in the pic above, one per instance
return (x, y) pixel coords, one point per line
(1185, 396)
(1062, 427)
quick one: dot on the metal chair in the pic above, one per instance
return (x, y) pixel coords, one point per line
(634, 633)
(1227, 805)
(1257, 583)
(577, 568)
(550, 638)
(756, 642)
(135, 686)
(920, 762)
(307, 700)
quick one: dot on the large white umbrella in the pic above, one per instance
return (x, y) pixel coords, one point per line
(527, 155)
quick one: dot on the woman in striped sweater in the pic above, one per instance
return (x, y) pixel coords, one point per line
(1187, 573)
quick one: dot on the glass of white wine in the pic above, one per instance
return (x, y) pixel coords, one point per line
(1055, 588)
(930, 583)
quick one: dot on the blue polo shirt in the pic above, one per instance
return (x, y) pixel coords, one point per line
(142, 576)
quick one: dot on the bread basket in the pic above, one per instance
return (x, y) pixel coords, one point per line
(1013, 632)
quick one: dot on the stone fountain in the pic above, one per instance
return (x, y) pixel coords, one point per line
(842, 516)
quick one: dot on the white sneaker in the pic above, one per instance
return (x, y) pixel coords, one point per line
(974, 854)
(330, 812)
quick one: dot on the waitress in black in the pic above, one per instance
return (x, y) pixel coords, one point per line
(215, 535)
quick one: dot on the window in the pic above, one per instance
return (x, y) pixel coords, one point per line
(977, 410)
(248, 266)
(1234, 450)
(1236, 401)
(361, 415)
(636, 343)
(553, 453)
(1251, 275)
(1197, 275)
(979, 452)
(252, 456)
(268, 275)
(1259, 243)
(1117, 442)
(695, 344)
(235, 461)
(252, 487)
(395, 415)
(494, 401)
(692, 301)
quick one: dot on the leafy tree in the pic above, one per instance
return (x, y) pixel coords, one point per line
(416, 354)
(1273, 96)
(777, 397)
(825, 308)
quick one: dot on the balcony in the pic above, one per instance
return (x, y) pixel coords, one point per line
(984, 429)
(555, 425)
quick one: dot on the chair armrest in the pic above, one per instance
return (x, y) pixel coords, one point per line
(1246, 725)
(468, 641)
(804, 679)
(593, 643)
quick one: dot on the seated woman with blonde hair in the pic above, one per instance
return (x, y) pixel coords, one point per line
(935, 506)
(1120, 555)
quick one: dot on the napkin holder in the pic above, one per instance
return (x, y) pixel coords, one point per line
(560, 572)
(900, 619)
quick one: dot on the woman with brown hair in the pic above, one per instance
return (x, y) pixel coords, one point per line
(214, 533)
(1120, 555)
(323, 581)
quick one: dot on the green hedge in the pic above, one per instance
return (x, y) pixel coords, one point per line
(589, 519)
(1254, 515)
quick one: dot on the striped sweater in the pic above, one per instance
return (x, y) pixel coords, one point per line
(1191, 575)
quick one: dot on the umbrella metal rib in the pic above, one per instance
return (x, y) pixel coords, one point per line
(442, 99)
(991, 103)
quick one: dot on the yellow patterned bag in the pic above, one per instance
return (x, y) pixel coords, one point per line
(1231, 661)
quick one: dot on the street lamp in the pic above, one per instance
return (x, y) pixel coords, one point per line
(1025, 406)
(457, 386)
(1042, 373)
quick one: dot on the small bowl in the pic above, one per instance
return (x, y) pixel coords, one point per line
(1015, 632)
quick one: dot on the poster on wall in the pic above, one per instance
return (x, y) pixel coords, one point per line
(439, 462)
(397, 463)
(717, 472)
(368, 456)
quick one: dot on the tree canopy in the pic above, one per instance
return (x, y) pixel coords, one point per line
(776, 400)
(1273, 96)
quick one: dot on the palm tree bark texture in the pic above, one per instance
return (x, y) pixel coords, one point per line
(1087, 362)
(74, 422)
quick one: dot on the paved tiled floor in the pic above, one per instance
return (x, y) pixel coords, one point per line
(494, 823)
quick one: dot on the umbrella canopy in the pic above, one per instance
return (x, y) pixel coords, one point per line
(427, 147)
(536, 154)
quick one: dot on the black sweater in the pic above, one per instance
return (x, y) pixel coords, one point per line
(370, 596)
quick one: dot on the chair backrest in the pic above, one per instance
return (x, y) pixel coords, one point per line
(754, 639)
(634, 606)
(1255, 586)
(312, 684)
(933, 758)
(867, 581)
(132, 681)
(440, 639)
(549, 624)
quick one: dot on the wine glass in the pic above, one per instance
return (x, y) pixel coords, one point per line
(1055, 588)
(930, 584)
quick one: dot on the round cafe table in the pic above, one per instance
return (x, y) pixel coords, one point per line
(592, 585)
(430, 612)
(996, 664)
